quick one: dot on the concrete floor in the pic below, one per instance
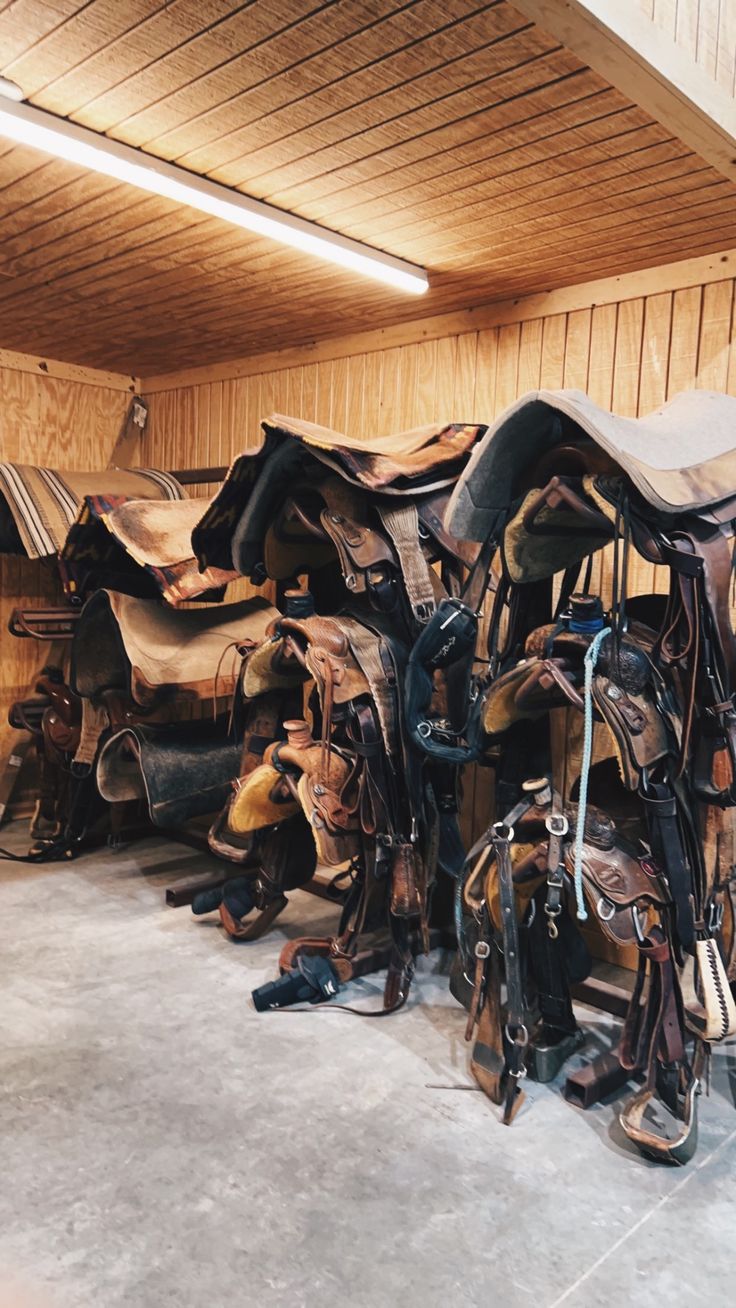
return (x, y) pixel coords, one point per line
(163, 1144)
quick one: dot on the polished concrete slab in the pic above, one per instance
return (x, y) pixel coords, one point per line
(161, 1143)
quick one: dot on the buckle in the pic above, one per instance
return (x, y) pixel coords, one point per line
(482, 949)
(557, 824)
(423, 612)
(521, 1039)
(499, 828)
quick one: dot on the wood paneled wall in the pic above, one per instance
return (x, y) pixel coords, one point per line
(706, 29)
(68, 420)
(629, 354)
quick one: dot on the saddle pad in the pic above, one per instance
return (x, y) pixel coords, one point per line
(681, 457)
(145, 545)
(39, 505)
(182, 771)
(154, 653)
(231, 531)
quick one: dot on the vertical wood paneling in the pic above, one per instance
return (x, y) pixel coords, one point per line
(703, 29)
(655, 352)
(507, 366)
(577, 349)
(465, 367)
(530, 355)
(715, 337)
(484, 397)
(686, 306)
(602, 348)
(627, 358)
(630, 357)
(426, 382)
(553, 351)
(389, 414)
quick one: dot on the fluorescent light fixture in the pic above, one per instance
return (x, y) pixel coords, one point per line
(78, 145)
(10, 90)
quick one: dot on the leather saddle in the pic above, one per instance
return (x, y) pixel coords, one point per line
(256, 512)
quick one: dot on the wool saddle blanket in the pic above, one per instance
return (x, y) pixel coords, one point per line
(681, 458)
(140, 547)
(156, 654)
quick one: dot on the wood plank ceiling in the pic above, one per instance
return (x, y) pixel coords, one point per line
(452, 133)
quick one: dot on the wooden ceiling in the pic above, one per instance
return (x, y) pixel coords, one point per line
(451, 133)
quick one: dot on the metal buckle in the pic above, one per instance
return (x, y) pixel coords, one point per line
(499, 828)
(482, 949)
(423, 612)
(521, 1039)
(424, 729)
(557, 824)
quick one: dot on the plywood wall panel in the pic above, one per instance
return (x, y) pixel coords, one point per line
(59, 423)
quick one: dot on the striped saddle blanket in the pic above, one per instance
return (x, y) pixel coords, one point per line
(39, 505)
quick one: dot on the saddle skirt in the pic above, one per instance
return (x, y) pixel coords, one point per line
(182, 770)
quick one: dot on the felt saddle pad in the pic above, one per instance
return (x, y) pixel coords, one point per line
(39, 505)
(231, 531)
(153, 653)
(142, 547)
(681, 458)
(182, 771)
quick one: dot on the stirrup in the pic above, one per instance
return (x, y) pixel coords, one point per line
(252, 928)
(659, 1148)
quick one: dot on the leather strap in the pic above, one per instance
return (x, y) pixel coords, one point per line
(517, 1036)
(402, 524)
(661, 806)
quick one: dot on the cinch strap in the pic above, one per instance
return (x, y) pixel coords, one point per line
(590, 660)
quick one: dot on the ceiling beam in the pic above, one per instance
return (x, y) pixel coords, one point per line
(621, 43)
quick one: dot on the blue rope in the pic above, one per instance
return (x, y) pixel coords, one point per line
(590, 660)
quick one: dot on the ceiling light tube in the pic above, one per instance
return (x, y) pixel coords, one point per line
(79, 145)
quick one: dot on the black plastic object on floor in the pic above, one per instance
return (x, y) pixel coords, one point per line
(312, 981)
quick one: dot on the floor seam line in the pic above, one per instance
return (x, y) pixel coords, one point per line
(641, 1222)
